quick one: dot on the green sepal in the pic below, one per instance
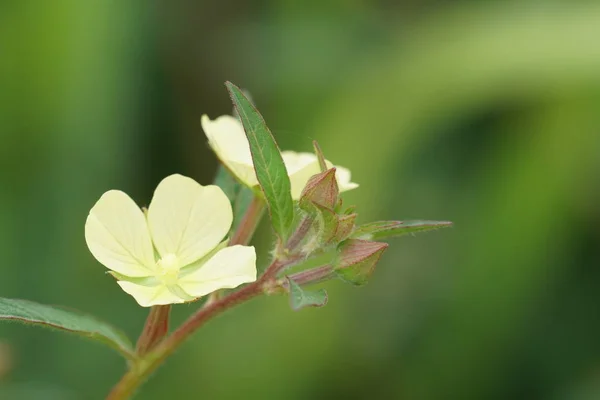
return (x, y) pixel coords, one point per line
(320, 156)
(324, 226)
(345, 227)
(387, 229)
(142, 281)
(300, 298)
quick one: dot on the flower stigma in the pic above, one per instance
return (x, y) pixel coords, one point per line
(168, 269)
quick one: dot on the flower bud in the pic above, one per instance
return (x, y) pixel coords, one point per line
(345, 227)
(324, 225)
(321, 189)
(357, 260)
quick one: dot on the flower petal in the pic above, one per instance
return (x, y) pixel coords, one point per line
(229, 268)
(227, 139)
(300, 167)
(148, 296)
(343, 178)
(117, 235)
(187, 219)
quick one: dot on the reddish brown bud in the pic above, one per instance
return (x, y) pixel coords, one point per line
(345, 227)
(321, 189)
(357, 259)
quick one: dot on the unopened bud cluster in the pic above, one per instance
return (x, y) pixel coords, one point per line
(330, 225)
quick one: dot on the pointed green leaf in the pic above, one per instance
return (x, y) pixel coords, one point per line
(29, 312)
(300, 298)
(268, 163)
(388, 229)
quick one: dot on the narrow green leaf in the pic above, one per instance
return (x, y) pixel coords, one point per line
(387, 229)
(29, 312)
(300, 298)
(268, 163)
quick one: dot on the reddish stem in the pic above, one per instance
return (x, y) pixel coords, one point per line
(139, 372)
(310, 276)
(156, 328)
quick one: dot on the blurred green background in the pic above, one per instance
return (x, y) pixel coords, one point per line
(486, 113)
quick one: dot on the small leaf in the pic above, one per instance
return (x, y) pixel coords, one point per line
(268, 163)
(29, 312)
(300, 298)
(387, 229)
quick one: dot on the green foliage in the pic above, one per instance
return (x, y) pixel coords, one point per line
(227, 183)
(84, 325)
(388, 229)
(483, 111)
(268, 163)
(301, 298)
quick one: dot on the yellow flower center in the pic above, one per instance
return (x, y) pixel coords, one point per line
(168, 269)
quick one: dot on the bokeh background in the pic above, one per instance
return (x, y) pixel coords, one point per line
(486, 113)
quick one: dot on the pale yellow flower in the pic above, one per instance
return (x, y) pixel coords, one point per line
(227, 139)
(174, 253)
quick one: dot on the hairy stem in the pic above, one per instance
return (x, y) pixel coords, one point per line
(310, 276)
(299, 234)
